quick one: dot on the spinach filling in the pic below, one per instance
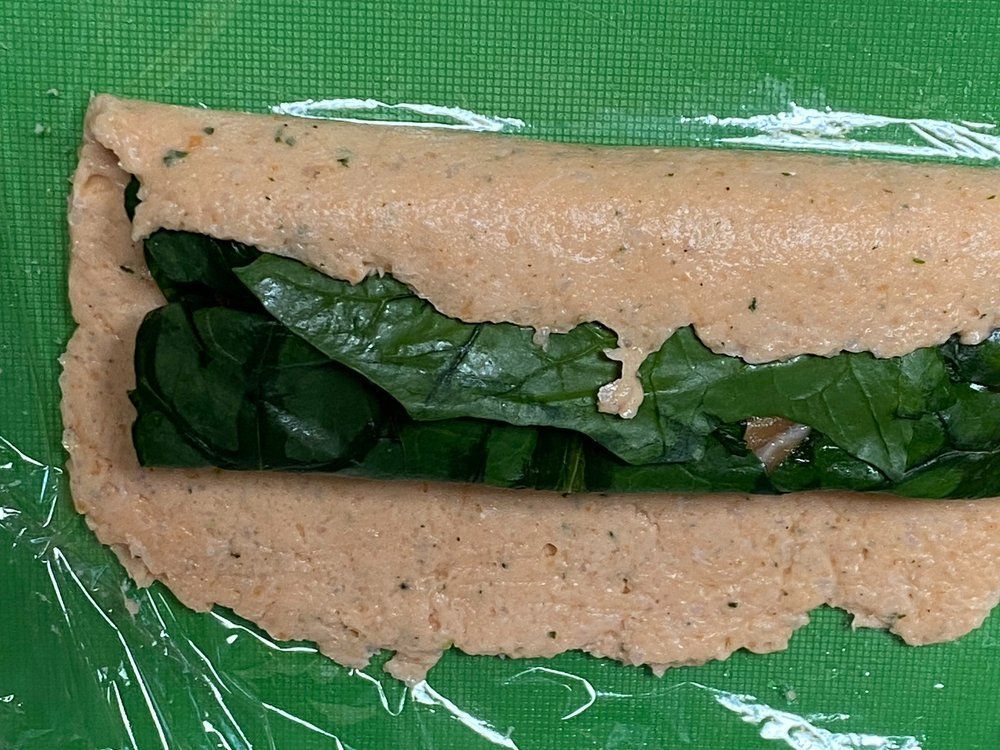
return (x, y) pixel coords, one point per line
(258, 362)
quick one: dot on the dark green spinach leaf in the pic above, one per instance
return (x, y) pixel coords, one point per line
(242, 392)
(199, 270)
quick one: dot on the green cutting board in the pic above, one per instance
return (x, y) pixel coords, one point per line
(89, 661)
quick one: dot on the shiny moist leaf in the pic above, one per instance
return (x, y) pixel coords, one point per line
(820, 464)
(222, 387)
(199, 269)
(973, 421)
(717, 470)
(854, 399)
(979, 363)
(967, 474)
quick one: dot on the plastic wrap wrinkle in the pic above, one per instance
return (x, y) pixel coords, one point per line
(800, 732)
(436, 115)
(424, 694)
(824, 130)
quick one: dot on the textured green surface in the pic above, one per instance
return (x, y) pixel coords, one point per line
(78, 671)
